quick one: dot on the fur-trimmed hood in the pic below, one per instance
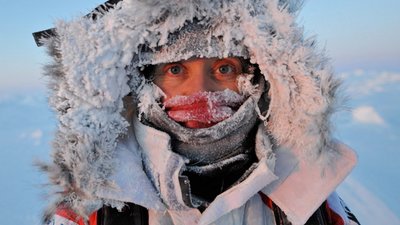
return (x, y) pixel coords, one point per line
(97, 68)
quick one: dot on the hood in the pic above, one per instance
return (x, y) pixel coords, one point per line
(97, 64)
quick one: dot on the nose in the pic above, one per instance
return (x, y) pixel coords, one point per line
(199, 76)
(199, 82)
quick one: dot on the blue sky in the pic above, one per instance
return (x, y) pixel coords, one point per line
(357, 34)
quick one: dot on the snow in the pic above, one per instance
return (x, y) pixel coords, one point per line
(377, 146)
(27, 126)
(203, 114)
(205, 107)
(226, 97)
(368, 208)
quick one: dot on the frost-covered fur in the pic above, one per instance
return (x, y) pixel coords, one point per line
(97, 63)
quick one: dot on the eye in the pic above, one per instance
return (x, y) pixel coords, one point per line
(175, 69)
(226, 69)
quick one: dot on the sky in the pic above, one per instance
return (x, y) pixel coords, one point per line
(356, 34)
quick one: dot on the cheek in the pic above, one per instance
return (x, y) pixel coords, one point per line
(232, 85)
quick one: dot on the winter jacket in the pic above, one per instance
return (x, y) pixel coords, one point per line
(245, 203)
(104, 155)
(329, 213)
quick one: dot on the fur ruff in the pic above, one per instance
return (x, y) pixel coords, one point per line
(97, 63)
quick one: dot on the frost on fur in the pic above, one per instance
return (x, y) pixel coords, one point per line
(97, 64)
(149, 95)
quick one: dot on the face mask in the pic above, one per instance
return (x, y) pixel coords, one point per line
(203, 109)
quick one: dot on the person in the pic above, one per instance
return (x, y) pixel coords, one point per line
(193, 112)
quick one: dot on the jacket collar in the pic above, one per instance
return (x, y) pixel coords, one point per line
(295, 184)
(301, 189)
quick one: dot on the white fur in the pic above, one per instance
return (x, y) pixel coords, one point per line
(96, 64)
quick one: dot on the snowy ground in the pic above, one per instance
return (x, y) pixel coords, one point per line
(370, 125)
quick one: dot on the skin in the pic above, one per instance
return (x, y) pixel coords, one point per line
(197, 75)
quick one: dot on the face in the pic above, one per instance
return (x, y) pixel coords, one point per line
(196, 75)
(197, 78)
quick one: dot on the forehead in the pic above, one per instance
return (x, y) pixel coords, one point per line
(196, 60)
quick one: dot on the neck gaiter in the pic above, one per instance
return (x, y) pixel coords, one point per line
(220, 155)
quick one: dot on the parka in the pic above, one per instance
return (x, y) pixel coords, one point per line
(106, 153)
